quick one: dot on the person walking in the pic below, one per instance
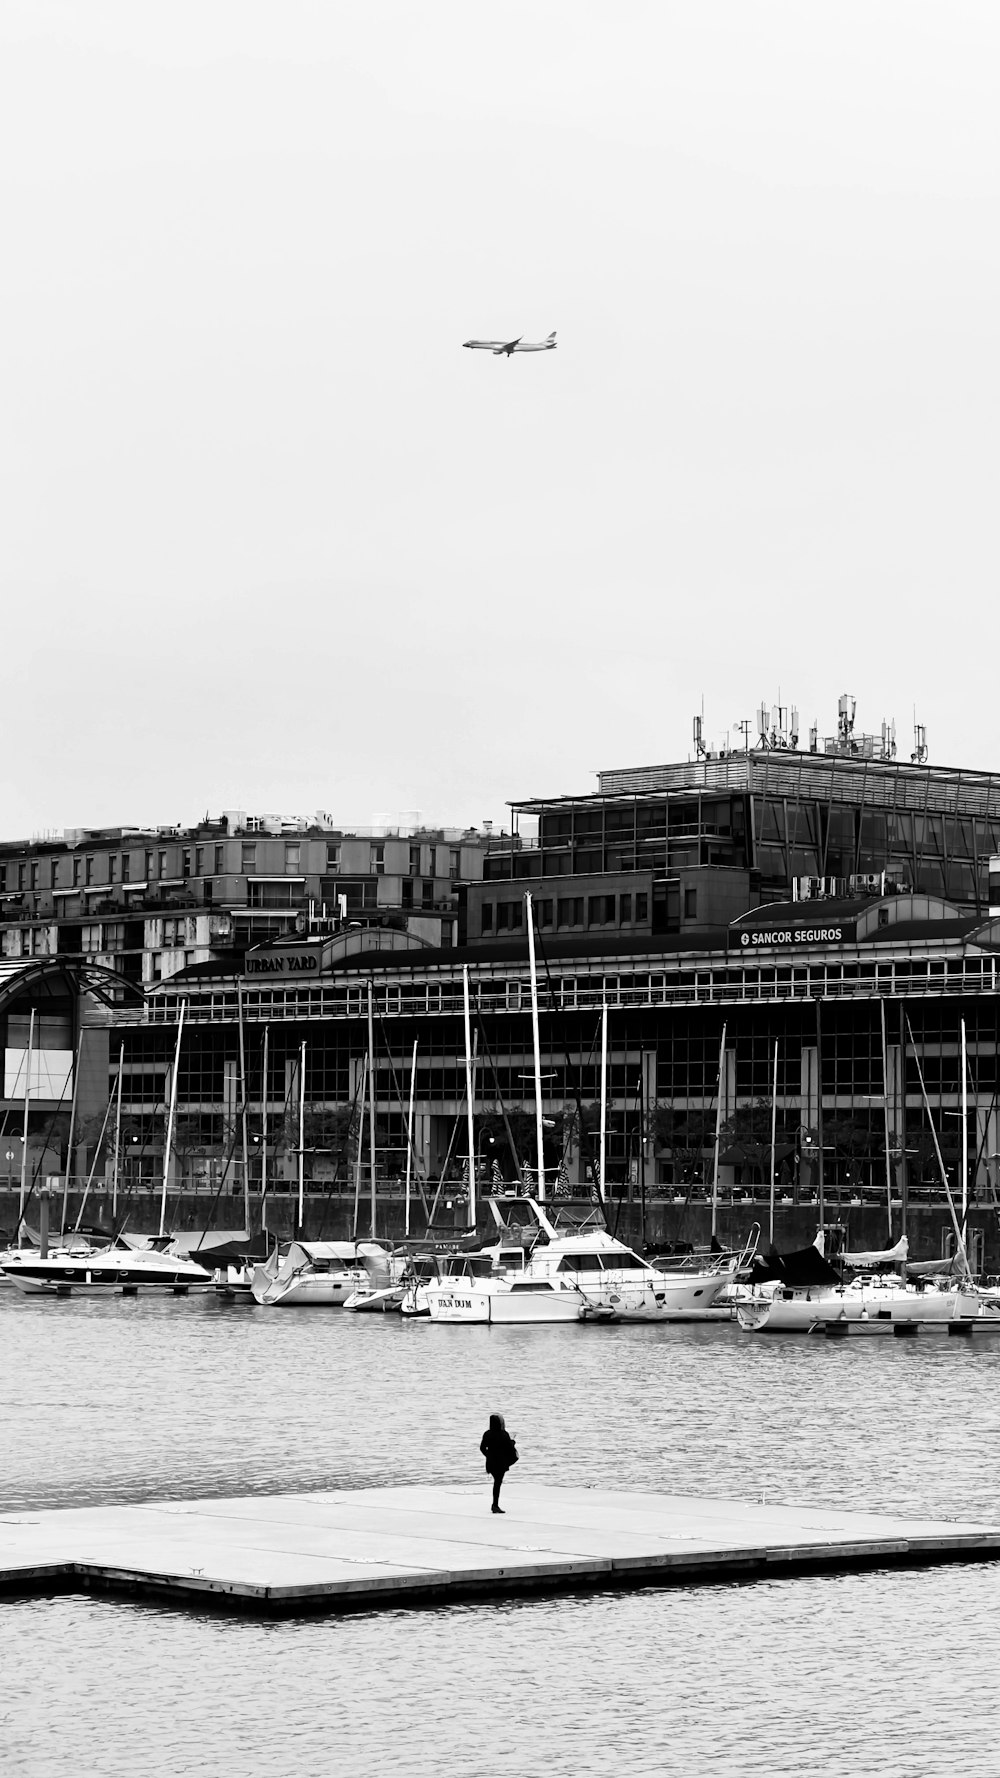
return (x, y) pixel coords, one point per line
(500, 1452)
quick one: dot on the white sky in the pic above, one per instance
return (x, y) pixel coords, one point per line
(272, 540)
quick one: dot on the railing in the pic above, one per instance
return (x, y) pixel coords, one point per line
(721, 984)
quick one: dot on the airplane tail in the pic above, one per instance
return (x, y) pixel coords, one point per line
(552, 335)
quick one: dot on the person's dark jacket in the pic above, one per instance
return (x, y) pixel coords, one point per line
(499, 1450)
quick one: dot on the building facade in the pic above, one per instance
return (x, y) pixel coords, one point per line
(797, 944)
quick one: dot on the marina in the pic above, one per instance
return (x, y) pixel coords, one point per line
(375, 1549)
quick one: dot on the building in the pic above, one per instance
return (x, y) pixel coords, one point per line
(803, 935)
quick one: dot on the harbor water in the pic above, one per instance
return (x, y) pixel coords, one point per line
(126, 1400)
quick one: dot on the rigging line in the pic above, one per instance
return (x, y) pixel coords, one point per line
(348, 1132)
(48, 1135)
(481, 1027)
(584, 1133)
(400, 1102)
(119, 1228)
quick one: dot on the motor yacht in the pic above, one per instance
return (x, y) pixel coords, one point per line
(540, 1270)
(123, 1268)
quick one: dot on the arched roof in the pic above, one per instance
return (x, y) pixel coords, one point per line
(20, 974)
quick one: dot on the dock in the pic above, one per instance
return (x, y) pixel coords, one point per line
(379, 1548)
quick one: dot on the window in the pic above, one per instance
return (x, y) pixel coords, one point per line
(569, 910)
(378, 858)
(185, 861)
(77, 872)
(625, 907)
(407, 889)
(199, 861)
(414, 861)
(503, 915)
(487, 916)
(90, 938)
(274, 895)
(454, 863)
(3, 876)
(112, 868)
(220, 860)
(427, 896)
(543, 913)
(690, 904)
(161, 865)
(89, 874)
(34, 875)
(642, 907)
(293, 855)
(126, 866)
(248, 856)
(601, 910)
(332, 857)
(147, 859)
(53, 873)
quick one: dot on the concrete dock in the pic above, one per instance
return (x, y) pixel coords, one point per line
(386, 1547)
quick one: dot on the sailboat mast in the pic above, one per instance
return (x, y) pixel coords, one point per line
(118, 1135)
(171, 1114)
(470, 1097)
(302, 1136)
(409, 1135)
(718, 1130)
(72, 1129)
(602, 1162)
(885, 1120)
(371, 1108)
(243, 1109)
(965, 1130)
(263, 1127)
(24, 1127)
(774, 1136)
(959, 1232)
(360, 1103)
(539, 1126)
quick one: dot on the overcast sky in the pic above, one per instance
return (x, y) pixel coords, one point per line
(271, 540)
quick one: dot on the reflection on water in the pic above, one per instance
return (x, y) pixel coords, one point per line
(144, 1399)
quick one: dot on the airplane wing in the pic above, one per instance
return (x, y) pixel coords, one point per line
(508, 346)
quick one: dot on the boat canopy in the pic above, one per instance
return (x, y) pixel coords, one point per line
(804, 1267)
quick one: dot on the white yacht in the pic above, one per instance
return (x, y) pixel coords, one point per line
(544, 1271)
(302, 1274)
(124, 1268)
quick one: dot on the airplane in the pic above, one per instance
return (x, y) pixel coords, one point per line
(504, 348)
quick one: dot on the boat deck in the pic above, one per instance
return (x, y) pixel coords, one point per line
(378, 1548)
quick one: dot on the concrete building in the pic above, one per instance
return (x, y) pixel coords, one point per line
(809, 933)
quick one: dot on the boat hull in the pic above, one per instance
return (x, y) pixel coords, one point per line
(877, 1309)
(504, 1308)
(325, 1291)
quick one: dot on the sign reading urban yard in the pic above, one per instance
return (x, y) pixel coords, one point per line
(299, 962)
(754, 938)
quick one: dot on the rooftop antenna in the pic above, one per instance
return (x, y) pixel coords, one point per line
(744, 729)
(919, 754)
(814, 735)
(793, 735)
(763, 725)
